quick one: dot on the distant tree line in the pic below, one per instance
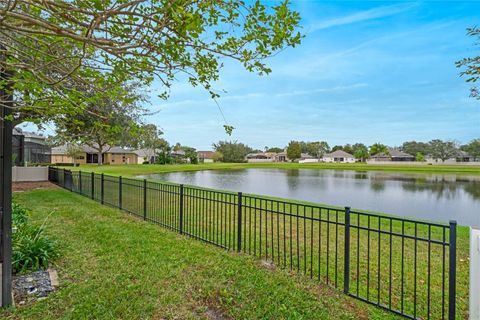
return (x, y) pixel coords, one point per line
(439, 150)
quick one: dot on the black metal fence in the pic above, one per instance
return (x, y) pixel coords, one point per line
(405, 266)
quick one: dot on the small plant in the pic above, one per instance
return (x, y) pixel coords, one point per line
(32, 250)
(19, 215)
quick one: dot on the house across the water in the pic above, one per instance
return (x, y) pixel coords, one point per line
(205, 156)
(392, 155)
(267, 157)
(110, 155)
(339, 156)
(461, 157)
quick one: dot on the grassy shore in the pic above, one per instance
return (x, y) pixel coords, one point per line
(284, 234)
(132, 170)
(116, 267)
(302, 247)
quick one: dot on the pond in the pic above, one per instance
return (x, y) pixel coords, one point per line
(437, 197)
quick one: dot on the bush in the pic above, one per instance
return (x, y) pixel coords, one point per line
(61, 164)
(145, 162)
(19, 215)
(32, 250)
(39, 164)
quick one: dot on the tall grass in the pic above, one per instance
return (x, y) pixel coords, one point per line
(32, 249)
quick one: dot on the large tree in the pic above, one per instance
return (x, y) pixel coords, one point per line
(74, 151)
(164, 152)
(53, 46)
(294, 150)
(191, 154)
(473, 148)
(232, 151)
(414, 147)
(442, 150)
(149, 139)
(275, 149)
(377, 148)
(316, 149)
(360, 152)
(471, 65)
(111, 121)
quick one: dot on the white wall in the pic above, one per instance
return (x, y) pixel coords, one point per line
(418, 163)
(307, 160)
(260, 160)
(20, 174)
(396, 162)
(345, 160)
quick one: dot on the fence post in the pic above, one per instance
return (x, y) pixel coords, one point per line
(181, 209)
(474, 295)
(239, 223)
(120, 192)
(144, 199)
(92, 182)
(346, 253)
(102, 189)
(80, 181)
(452, 270)
(63, 183)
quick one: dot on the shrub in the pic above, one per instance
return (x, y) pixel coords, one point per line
(39, 164)
(61, 164)
(32, 250)
(19, 215)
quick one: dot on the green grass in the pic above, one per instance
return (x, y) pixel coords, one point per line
(212, 216)
(132, 170)
(116, 267)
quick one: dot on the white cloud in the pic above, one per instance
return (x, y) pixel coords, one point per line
(321, 90)
(370, 14)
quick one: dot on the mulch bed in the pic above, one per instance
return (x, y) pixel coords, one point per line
(27, 186)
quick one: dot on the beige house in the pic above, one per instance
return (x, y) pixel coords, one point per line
(267, 157)
(113, 155)
(339, 156)
(206, 156)
(146, 155)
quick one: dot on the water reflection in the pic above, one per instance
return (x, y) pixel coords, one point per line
(425, 196)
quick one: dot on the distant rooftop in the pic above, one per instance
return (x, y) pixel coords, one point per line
(339, 154)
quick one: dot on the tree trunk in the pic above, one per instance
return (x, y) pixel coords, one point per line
(100, 158)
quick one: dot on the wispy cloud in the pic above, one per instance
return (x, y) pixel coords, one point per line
(258, 95)
(370, 14)
(321, 90)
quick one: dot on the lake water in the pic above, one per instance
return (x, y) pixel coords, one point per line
(438, 197)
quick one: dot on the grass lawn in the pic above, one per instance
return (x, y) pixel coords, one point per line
(302, 247)
(118, 267)
(138, 169)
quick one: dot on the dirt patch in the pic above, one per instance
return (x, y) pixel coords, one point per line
(215, 314)
(27, 186)
(268, 265)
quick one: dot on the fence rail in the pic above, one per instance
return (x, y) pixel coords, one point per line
(405, 266)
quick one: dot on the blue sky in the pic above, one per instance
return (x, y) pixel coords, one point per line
(379, 71)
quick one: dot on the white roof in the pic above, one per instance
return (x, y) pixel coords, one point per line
(339, 154)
